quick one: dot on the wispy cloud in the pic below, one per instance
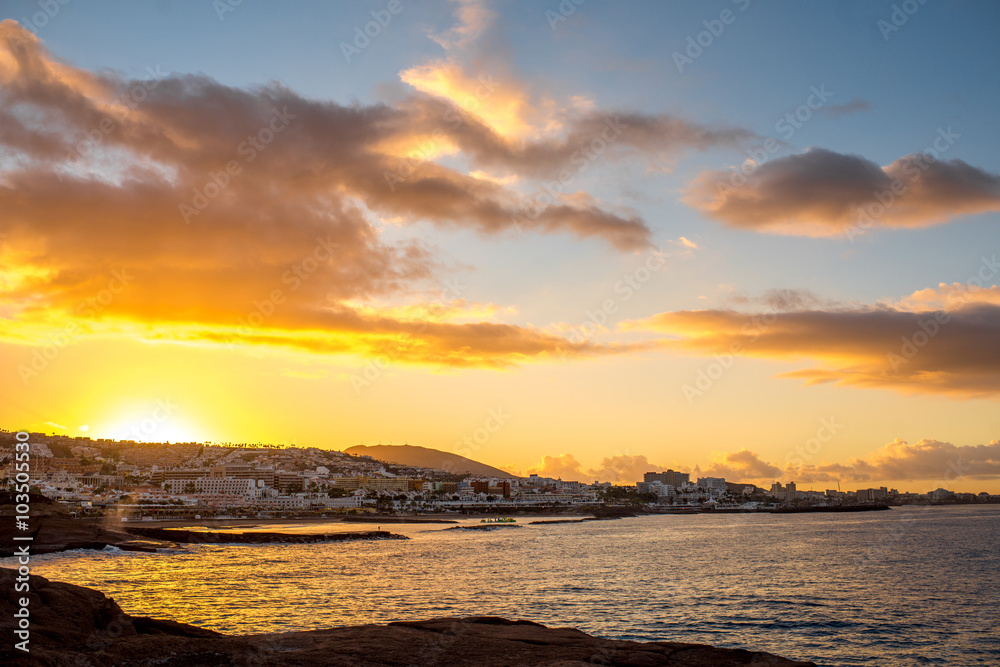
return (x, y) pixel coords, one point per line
(854, 106)
(473, 18)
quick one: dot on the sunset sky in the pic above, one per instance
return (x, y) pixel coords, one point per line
(755, 240)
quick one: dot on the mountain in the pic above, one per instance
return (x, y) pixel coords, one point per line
(424, 457)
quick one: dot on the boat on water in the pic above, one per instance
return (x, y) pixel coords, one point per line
(499, 519)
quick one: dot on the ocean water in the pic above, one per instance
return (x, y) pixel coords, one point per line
(911, 586)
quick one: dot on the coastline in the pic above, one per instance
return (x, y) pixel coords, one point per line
(554, 515)
(55, 530)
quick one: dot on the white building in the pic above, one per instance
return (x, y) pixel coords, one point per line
(39, 449)
(659, 488)
(296, 502)
(346, 501)
(715, 486)
(248, 489)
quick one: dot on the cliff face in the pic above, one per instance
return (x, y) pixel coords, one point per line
(76, 626)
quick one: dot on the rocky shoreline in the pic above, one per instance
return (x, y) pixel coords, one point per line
(72, 625)
(549, 522)
(393, 519)
(203, 537)
(52, 529)
(53, 533)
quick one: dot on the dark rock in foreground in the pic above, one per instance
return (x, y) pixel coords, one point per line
(53, 529)
(75, 626)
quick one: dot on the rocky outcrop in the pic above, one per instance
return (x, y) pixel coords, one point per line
(53, 529)
(204, 537)
(393, 519)
(76, 626)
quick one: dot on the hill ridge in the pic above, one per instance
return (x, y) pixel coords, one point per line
(427, 457)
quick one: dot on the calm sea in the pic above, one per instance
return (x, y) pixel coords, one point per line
(906, 587)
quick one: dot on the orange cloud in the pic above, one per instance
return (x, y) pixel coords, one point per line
(954, 352)
(823, 193)
(554, 142)
(176, 208)
(501, 106)
(619, 468)
(926, 460)
(741, 466)
(932, 460)
(946, 296)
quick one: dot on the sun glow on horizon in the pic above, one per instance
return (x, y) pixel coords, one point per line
(155, 425)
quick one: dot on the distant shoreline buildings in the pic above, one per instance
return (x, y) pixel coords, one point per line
(159, 479)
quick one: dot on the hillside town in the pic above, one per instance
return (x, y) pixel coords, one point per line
(159, 480)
